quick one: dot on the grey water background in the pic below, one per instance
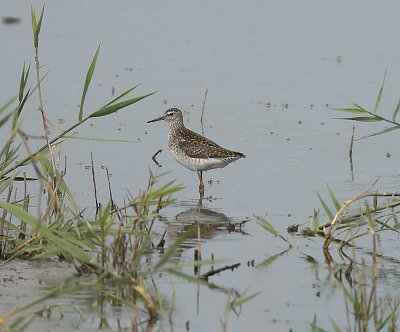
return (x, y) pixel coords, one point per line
(274, 70)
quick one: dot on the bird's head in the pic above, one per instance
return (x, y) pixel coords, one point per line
(170, 115)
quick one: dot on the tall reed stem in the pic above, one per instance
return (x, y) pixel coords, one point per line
(36, 26)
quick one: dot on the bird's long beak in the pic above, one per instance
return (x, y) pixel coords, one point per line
(157, 119)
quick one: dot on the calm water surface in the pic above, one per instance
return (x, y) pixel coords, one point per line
(274, 70)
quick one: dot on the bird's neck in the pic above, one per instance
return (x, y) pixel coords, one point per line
(176, 129)
(176, 125)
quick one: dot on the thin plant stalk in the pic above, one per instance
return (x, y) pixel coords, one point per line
(36, 26)
(202, 111)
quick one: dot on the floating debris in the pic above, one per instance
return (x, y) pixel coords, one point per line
(11, 20)
(293, 228)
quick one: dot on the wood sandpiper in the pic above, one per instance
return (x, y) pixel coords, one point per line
(192, 150)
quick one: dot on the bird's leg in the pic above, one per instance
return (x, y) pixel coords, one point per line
(201, 185)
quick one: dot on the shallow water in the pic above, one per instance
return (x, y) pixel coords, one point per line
(274, 70)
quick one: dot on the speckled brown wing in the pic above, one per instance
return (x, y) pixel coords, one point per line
(197, 146)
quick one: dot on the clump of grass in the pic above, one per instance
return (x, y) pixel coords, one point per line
(374, 213)
(349, 220)
(365, 310)
(110, 246)
(355, 224)
(365, 215)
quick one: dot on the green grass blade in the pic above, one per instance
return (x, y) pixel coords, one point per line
(396, 111)
(164, 190)
(360, 107)
(39, 24)
(18, 110)
(22, 83)
(7, 104)
(5, 119)
(21, 98)
(268, 261)
(352, 110)
(326, 208)
(88, 79)
(245, 298)
(363, 119)
(267, 226)
(36, 26)
(334, 200)
(28, 94)
(14, 228)
(8, 155)
(379, 98)
(99, 139)
(33, 19)
(384, 131)
(106, 110)
(122, 95)
(23, 101)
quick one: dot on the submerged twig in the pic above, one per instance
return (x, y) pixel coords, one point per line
(22, 178)
(162, 240)
(351, 144)
(109, 189)
(154, 158)
(94, 185)
(213, 272)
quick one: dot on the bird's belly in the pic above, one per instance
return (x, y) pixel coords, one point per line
(198, 164)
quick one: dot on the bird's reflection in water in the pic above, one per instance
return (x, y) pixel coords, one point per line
(210, 223)
(199, 223)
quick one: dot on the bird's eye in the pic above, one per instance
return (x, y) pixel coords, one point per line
(170, 113)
